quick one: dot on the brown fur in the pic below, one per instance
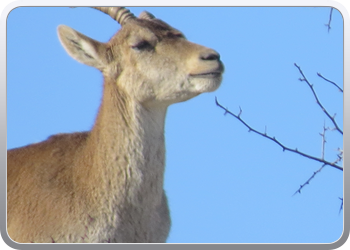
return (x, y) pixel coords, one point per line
(106, 185)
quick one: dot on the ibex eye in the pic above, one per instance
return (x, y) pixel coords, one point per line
(142, 45)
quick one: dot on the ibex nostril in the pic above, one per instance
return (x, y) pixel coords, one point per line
(211, 55)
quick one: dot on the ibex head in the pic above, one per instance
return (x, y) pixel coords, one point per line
(151, 61)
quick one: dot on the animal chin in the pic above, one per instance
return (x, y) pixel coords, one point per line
(205, 82)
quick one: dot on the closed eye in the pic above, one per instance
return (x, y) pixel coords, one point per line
(142, 45)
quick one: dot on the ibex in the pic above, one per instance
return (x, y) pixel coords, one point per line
(106, 185)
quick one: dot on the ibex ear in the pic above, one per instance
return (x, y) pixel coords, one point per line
(82, 48)
(146, 15)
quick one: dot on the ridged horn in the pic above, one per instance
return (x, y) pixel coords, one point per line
(120, 14)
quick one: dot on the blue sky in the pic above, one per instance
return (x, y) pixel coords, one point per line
(224, 184)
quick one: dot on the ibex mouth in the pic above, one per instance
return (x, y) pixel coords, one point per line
(207, 75)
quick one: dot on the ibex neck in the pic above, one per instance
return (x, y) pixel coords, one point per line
(128, 140)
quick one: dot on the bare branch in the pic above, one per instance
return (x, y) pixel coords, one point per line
(340, 155)
(341, 206)
(340, 89)
(275, 140)
(330, 20)
(323, 134)
(308, 181)
(323, 140)
(317, 100)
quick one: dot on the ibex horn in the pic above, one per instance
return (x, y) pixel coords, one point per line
(120, 14)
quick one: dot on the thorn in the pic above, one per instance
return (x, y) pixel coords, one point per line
(240, 111)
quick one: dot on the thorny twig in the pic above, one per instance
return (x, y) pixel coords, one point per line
(340, 89)
(324, 128)
(341, 206)
(275, 140)
(304, 79)
(330, 20)
(325, 163)
(323, 134)
(308, 181)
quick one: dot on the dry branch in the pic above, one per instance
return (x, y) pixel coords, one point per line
(341, 206)
(304, 79)
(308, 181)
(238, 117)
(340, 157)
(339, 88)
(330, 20)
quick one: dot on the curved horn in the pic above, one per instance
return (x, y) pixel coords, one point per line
(120, 14)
